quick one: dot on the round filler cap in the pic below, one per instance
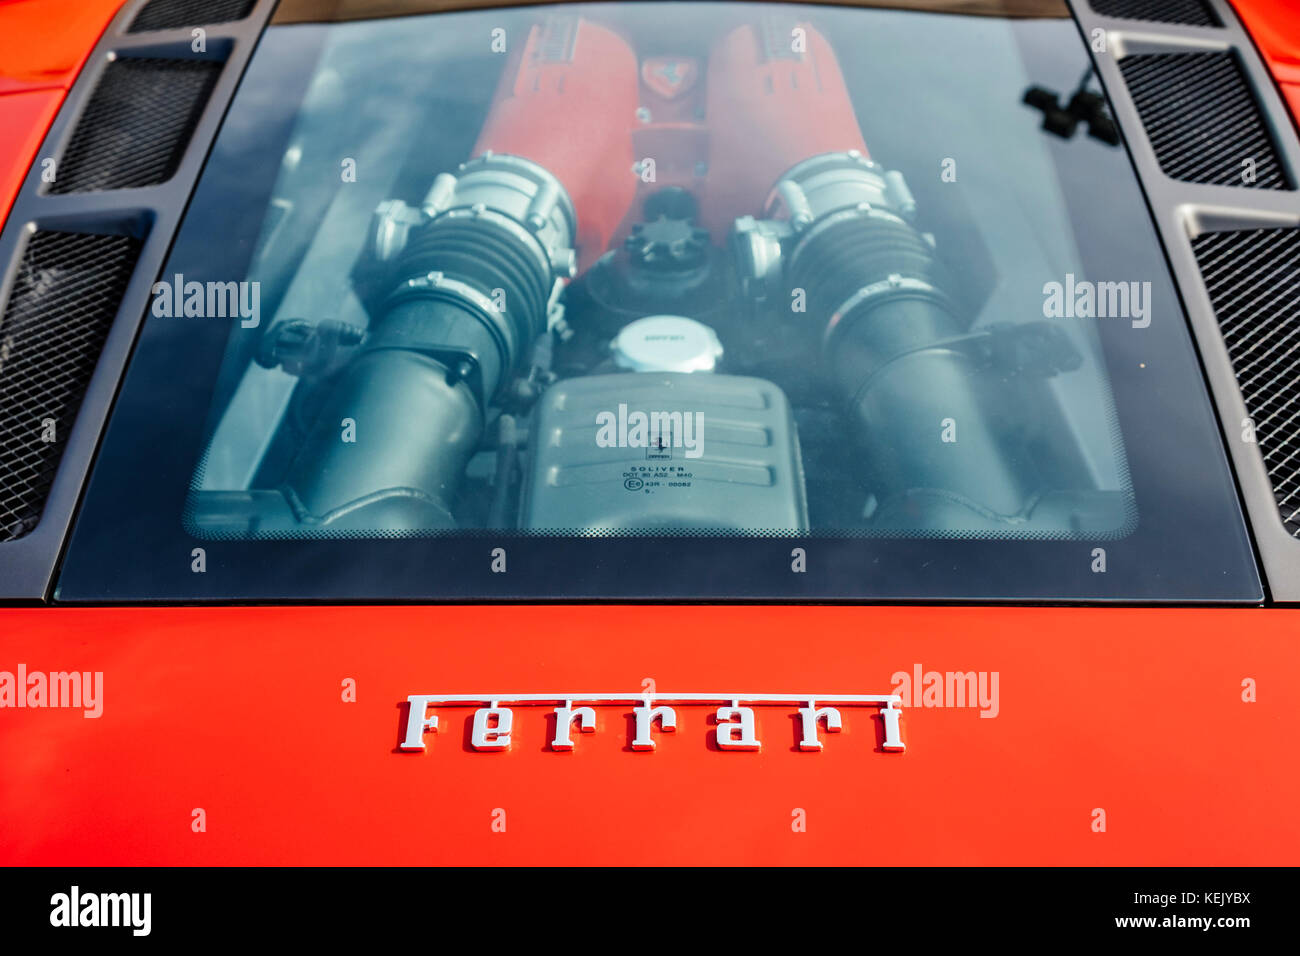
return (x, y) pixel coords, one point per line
(667, 343)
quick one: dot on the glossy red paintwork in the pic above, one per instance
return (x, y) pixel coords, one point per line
(1275, 27)
(240, 712)
(43, 45)
(24, 118)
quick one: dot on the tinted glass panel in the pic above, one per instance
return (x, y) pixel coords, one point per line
(753, 301)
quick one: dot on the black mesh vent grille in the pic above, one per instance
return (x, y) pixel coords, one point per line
(64, 298)
(1202, 119)
(1196, 13)
(136, 125)
(170, 14)
(1253, 278)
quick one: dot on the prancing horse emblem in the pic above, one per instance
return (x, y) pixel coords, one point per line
(669, 76)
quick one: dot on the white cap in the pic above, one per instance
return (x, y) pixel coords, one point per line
(667, 343)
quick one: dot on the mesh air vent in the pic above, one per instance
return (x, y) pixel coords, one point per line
(1202, 119)
(172, 14)
(1195, 13)
(51, 332)
(136, 125)
(1253, 277)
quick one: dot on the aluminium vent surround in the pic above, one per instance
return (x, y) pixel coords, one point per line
(79, 252)
(1201, 111)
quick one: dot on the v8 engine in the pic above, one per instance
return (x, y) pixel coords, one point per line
(669, 290)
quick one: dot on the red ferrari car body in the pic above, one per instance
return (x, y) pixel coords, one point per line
(323, 732)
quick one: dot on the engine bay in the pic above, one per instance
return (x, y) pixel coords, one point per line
(669, 289)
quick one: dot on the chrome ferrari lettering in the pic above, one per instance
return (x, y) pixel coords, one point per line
(418, 723)
(736, 728)
(565, 715)
(811, 714)
(492, 726)
(646, 715)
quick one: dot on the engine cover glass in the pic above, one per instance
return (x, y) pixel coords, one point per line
(753, 301)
